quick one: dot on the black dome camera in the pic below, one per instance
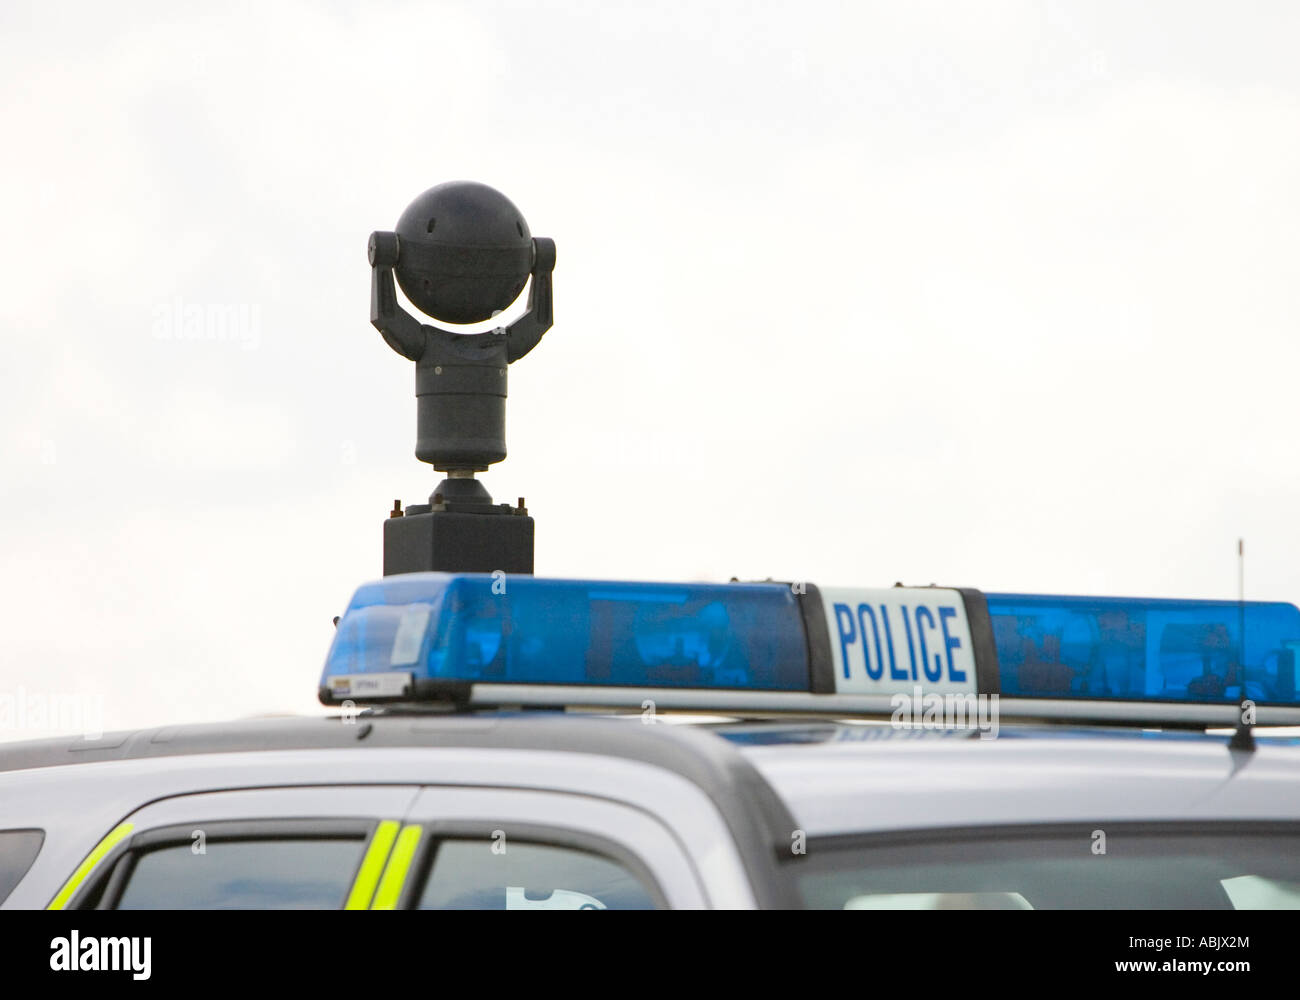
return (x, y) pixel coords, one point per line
(466, 252)
(462, 253)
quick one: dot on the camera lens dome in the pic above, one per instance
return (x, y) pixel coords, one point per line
(448, 224)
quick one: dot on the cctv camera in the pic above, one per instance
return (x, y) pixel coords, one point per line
(463, 252)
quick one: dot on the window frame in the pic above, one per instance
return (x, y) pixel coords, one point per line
(433, 833)
(105, 887)
(22, 869)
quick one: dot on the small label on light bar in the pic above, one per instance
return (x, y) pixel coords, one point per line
(391, 684)
(886, 641)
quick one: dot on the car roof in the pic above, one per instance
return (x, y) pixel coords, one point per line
(845, 779)
(823, 777)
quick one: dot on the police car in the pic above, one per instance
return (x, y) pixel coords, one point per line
(517, 743)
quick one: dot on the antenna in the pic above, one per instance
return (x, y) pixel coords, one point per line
(1241, 612)
(1244, 737)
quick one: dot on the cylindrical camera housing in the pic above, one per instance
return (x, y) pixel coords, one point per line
(461, 411)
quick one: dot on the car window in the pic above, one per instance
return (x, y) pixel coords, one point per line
(484, 874)
(276, 874)
(1110, 867)
(18, 849)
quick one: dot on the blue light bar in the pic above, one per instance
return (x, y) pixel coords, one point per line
(423, 629)
(1142, 650)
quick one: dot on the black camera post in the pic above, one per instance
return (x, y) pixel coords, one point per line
(462, 253)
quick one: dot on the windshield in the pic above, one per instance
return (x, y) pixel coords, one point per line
(1113, 866)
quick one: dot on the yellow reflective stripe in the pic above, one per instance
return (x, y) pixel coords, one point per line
(372, 865)
(399, 863)
(86, 867)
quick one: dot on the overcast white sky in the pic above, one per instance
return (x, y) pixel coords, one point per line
(999, 295)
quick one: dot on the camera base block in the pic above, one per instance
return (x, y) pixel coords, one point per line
(449, 541)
